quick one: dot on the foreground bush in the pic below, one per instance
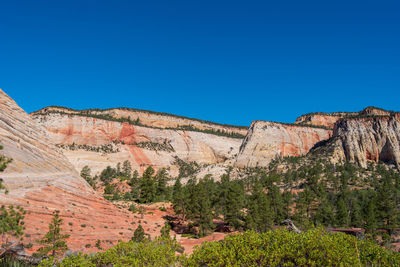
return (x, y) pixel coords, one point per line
(160, 252)
(274, 248)
(283, 248)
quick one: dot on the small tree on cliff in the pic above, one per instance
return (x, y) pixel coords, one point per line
(139, 234)
(54, 241)
(11, 222)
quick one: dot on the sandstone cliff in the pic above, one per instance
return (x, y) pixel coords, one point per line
(42, 180)
(360, 140)
(328, 120)
(142, 146)
(266, 141)
(149, 119)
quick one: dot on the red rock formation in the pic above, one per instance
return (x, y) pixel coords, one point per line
(266, 141)
(162, 144)
(41, 180)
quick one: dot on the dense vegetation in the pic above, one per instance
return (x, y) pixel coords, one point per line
(106, 149)
(150, 187)
(311, 193)
(273, 248)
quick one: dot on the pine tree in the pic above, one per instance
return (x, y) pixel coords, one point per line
(356, 214)
(342, 213)
(11, 222)
(179, 198)
(370, 216)
(205, 215)
(165, 230)
(126, 169)
(277, 205)
(53, 241)
(325, 213)
(234, 204)
(4, 161)
(163, 192)
(258, 215)
(139, 235)
(85, 174)
(148, 187)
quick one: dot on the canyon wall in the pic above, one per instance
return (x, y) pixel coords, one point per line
(41, 180)
(142, 146)
(360, 140)
(266, 141)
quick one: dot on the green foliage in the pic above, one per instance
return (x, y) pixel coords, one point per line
(12, 221)
(284, 248)
(107, 175)
(54, 242)
(4, 161)
(139, 235)
(186, 169)
(106, 149)
(85, 174)
(164, 146)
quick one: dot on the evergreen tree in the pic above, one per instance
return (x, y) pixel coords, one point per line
(258, 215)
(163, 192)
(11, 222)
(342, 213)
(234, 204)
(53, 241)
(139, 235)
(276, 202)
(126, 169)
(165, 230)
(370, 216)
(148, 187)
(205, 215)
(179, 198)
(107, 175)
(325, 213)
(356, 214)
(85, 174)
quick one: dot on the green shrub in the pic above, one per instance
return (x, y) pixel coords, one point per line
(284, 248)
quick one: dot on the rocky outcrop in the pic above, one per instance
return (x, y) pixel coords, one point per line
(149, 119)
(266, 141)
(360, 140)
(41, 180)
(142, 146)
(328, 120)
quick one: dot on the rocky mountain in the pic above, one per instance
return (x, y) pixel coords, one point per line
(99, 141)
(41, 180)
(266, 141)
(99, 138)
(365, 139)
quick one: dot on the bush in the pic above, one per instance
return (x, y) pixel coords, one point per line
(283, 248)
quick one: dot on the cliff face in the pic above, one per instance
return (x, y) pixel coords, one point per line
(267, 140)
(149, 119)
(368, 139)
(142, 146)
(41, 180)
(328, 120)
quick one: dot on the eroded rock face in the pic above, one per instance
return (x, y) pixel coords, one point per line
(41, 180)
(142, 146)
(368, 139)
(328, 120)
(266, 141)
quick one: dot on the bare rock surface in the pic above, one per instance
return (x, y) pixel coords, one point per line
(142, 146)
(266, 141)
(360, 140)
(41, 180)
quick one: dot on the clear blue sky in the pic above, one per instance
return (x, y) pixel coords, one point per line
(224, 61)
